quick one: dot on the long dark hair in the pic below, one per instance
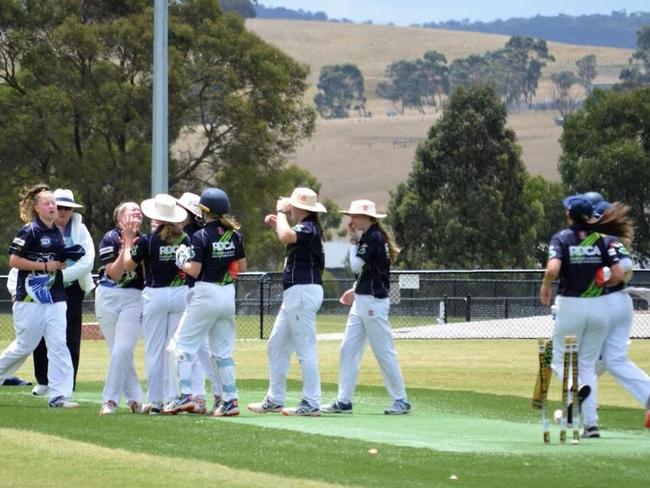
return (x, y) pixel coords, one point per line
(617, 222)
(28, 201)
(393, 249)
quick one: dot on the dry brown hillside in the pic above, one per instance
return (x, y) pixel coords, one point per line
(355, 157)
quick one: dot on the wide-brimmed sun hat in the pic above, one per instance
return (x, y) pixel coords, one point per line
(165, 208)
(306, 199)
(363, 207)
(65, 198)
(190, 202)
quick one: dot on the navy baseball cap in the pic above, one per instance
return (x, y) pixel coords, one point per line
(579, 207)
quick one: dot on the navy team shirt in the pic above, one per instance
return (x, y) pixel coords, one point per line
(109, 249)
(374, 278)
(37, 242)
(582, 252)
(159, 259)
(215, 247)
(305, 258)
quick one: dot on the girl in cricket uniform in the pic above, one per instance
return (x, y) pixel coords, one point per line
(295, 325)
(164, 294)
(577, 256)
(214, 259)
(370, 259)
(118, 308)
(202, 365)
(39, 309)
(613, 219)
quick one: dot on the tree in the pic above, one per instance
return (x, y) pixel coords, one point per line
(463, 205)
(435, 78)
(546, 198)
(514, 71)
(341, 89)
(245, 8)
(417, 83)
(587, 72)
(562, 97)
(638, 73)
(75, 104)
(606, 148)
(529, 56)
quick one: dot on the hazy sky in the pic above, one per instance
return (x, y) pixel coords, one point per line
(406, 12)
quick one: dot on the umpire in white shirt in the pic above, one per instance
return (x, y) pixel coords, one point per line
(78, 282)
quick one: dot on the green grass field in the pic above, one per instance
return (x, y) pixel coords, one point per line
(471, 425)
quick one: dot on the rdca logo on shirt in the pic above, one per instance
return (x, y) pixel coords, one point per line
(223, 249)
(168, 253)
(584, 251)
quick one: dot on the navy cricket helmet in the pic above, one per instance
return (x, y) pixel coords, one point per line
(215, 201)
(594, 197)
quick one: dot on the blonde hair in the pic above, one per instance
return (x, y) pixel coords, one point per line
(169, 232)
(227, 222)
(393, 249)
(29, 198)
(121, 207)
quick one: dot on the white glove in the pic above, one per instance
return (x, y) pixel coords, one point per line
(183, 255)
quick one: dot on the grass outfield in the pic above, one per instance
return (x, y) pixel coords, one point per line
(472, 425)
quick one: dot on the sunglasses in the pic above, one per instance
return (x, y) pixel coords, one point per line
(59, 207)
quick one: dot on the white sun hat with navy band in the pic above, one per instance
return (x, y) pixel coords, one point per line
(190, 202)
(363, 207)
(65, 198)
(165, 208)
(306, 199)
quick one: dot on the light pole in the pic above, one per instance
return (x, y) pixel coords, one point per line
(159, 162)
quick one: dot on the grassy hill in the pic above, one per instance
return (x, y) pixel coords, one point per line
(369, 157)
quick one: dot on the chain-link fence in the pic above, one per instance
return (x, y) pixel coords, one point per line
(424, 305)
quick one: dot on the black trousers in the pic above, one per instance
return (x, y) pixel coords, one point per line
(73, 335)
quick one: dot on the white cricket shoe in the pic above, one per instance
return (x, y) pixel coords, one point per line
(39, 390)
(61, 402)
(108, 408)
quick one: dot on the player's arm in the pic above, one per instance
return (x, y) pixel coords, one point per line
(282, 227)
(550, 275)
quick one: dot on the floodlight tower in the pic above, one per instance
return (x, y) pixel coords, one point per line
(159, 162)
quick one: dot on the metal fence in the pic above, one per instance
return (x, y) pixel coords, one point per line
(424, 305)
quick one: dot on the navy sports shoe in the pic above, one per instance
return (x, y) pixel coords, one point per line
(265, 407)
(593, 432)
(399, 407)
(182, 403)
(304, 409)
(583, 393)
(228, 408)
(336, 407)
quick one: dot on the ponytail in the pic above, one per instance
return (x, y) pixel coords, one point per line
(169, 232)
(393, 250)
(616, 222)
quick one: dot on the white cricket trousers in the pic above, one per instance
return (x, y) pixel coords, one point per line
(119, 313)
(368, 319)
(33, 321)
(161, 312)
(588, 319)
(295, 330)
(614, 353)
(210, 313)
